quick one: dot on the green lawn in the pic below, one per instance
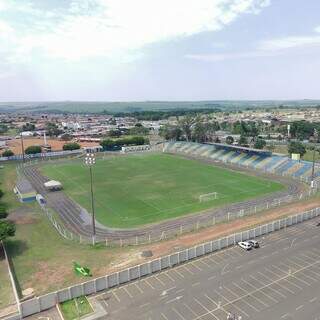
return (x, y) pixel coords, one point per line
(147, 188)
(75, 308)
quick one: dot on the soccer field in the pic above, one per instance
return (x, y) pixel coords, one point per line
(139, 189)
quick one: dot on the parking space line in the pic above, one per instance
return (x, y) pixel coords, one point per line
(166, 273)
(197, 267)
(127, 291)
(117, 298)
(205, 263)
(268, 296)
(187, 269)
(303, 281)
(190, 309)
(141, 291)
(178, 272)
(211, 299)
(212, 260)
(206, 309)
(178, 313)
(254, 297)
(276, 291)
(162, 283)
(149, 284)
(163, 316)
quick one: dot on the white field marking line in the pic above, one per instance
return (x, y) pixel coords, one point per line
(144, 305)
(291, 244)
(178, 313)
(274, 290)
(298, 308)
(254, 297)
(303, 281)
(205, 308)
(212, 260)
(285, 315)
(268, 296)
(234, 305)
(180, 290)
(163, 316)
(128, 293)
(174, 299)
(295, 285)
(212, 277)
(117, 298)
(306, 257)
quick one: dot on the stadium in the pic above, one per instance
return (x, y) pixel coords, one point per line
(150, 195)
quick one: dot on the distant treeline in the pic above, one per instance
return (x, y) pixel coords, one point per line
(159, 115)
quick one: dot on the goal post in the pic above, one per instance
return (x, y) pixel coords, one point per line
(208, 196)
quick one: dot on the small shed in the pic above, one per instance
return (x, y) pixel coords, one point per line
(53, 185)
(25, 191)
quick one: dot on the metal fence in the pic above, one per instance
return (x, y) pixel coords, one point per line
(149, 235)
(47, 301)
(157, 235)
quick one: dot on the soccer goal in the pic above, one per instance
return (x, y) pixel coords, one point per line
(208, 196)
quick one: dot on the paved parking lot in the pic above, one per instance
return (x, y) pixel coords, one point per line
(280, 280)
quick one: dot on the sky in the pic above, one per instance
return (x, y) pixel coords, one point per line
(137, 50)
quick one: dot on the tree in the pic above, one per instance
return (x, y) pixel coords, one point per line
(199, 132)
(7, 229)
(139, 129)
(260, 143)
(3, 211)
(33, 150)
(71, 146)
(66, 137)
(185, 125)
(28, 127)
(7, 153)
(3, 128)
(170, 132)
(229, 140)
(52, 129)
(296, 147)
(243, 141)
(114, 133)
(1, 193)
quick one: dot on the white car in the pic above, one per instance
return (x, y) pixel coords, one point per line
(245, 245)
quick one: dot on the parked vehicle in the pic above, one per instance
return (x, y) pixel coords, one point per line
(245, 245)
(254, 243)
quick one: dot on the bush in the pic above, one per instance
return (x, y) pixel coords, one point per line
(7, 229)
(7, 153)
(33, 150)
(71, 146)
(260, 143)
(296, 147)
(109, 144)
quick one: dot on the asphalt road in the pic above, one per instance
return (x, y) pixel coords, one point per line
(280, 280)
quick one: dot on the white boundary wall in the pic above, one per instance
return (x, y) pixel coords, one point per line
(49, 300)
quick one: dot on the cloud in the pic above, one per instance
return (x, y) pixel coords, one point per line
(284, 43)
(264, 48)
(107, 28)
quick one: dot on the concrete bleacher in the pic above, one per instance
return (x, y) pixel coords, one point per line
(252, 158)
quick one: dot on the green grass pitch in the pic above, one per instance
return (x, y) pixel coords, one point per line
(139, 189)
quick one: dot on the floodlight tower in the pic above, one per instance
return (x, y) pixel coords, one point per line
(90, 160)
(315, 137)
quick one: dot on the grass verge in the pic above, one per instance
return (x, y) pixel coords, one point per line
(75, 308)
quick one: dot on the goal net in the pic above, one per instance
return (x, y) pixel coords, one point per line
(208, 196)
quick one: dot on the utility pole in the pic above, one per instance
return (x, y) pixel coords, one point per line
(22, 147)
(315, 139)
(90, 160)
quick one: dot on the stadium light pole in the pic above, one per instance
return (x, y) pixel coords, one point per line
(22, 147)
(90, 160)
(315, 137)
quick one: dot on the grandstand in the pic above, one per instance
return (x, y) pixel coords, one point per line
(252, 158)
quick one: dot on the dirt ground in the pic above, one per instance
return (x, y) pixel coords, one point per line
(56, 145)
(208, 234)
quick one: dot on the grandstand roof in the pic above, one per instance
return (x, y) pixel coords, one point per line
(245, 149)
